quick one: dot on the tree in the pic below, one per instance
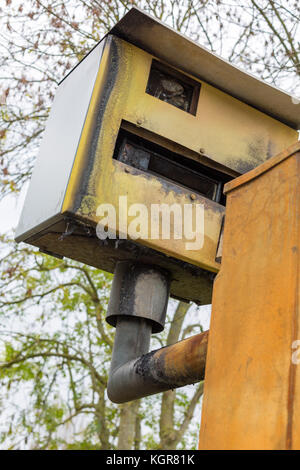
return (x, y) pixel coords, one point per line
(56, 344)
(57, 347)
(61, 355)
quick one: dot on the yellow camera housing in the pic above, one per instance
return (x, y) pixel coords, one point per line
(150, 115)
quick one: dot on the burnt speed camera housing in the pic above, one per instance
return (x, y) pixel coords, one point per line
(150, 115)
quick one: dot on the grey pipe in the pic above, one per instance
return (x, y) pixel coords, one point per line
(135, 374)
(137, 308)
(132, 339)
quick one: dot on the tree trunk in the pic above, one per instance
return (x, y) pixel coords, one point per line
(103, 432)
(138, 430)
(167, 431)
(129, 426)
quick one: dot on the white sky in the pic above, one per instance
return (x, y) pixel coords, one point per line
(10, 211)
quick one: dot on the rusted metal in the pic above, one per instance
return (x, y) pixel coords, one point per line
(164, 369)
(177, 365)
(252, 381)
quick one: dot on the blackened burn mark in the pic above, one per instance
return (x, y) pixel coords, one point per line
(257, 153)
(152, 369)
(110, 80)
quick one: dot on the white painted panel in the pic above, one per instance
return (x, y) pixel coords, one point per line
(52, 170)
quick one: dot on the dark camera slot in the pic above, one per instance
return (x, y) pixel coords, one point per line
(151, 158)
(183, 176)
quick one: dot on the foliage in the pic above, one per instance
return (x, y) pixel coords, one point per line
(56, 345)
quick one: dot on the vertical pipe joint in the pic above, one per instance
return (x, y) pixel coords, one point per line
(139, 291)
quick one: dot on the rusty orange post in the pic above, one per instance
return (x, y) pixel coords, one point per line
(252, 380)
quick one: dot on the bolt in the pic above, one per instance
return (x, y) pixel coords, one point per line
(193, 197)
(202, 150)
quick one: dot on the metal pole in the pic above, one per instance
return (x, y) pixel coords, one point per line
(137, 308)
(167, 368)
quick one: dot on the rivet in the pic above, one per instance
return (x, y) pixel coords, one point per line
(193, 197)
(202, 150)
(139, 122)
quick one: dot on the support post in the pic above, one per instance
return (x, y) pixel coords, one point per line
(252, 379)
